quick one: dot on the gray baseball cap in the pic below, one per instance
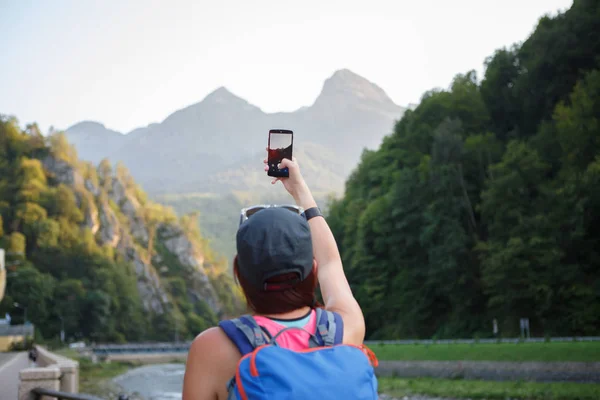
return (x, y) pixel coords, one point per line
(274, 241)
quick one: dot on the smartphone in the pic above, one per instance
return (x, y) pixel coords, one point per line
(280, 146)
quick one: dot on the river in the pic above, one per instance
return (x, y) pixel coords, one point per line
(154, 382)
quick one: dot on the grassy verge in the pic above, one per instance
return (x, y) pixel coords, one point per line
(551, 351)
(472, 389)
(95, 378)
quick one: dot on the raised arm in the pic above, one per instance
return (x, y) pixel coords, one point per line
(335, 289)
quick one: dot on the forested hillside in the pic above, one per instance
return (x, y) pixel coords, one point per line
(86, 248)
(484, 202)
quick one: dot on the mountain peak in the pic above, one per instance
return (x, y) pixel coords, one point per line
(347, 76)
(221, 95)
(345, 85)
(86, 125)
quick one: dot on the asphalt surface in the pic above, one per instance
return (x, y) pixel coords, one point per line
(10, 365)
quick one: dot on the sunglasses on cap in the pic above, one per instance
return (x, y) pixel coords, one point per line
(250, 211)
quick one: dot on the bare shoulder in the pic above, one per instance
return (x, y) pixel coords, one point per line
(208, 339)
(211, 362)
(212, 345)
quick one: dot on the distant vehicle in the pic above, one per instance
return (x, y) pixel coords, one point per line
(77, 345)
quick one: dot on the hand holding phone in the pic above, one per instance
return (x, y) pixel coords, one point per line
(280, 146)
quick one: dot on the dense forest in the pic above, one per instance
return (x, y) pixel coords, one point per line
(87, 252)
(484, 202)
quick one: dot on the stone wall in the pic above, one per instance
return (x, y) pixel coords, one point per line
(52, 372)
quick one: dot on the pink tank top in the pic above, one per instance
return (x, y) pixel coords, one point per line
(293, 339)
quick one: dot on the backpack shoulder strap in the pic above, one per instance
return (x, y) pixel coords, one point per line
(244, 332)
(330, 327)
(338, 338)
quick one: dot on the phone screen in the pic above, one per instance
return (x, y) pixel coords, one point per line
(280, 147)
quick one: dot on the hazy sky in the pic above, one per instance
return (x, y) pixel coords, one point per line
(130, 63)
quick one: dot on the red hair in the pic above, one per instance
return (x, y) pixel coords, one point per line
(301, 295)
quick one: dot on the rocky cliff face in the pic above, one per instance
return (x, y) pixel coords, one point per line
(118, 217)
(188, 253)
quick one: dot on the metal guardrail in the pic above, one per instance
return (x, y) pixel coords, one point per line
(142, 348)
(134, 348)
(39, 392)
(141, 345)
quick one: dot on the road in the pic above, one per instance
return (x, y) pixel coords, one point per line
(10, 365)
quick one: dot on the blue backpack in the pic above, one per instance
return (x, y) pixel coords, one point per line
(329, 369)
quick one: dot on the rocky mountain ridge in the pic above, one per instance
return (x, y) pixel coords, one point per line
(207, 157)
(184, 152)
(143, 233)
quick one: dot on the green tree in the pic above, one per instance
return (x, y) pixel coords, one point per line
(129, 314)
(69, 297)
(32, 290)
(97, 326)
(520, 247)
(499, 94)
(47, 232)
(63, 203)
(61, 149)
(32, 181)
(16, 243)
(578, 124)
